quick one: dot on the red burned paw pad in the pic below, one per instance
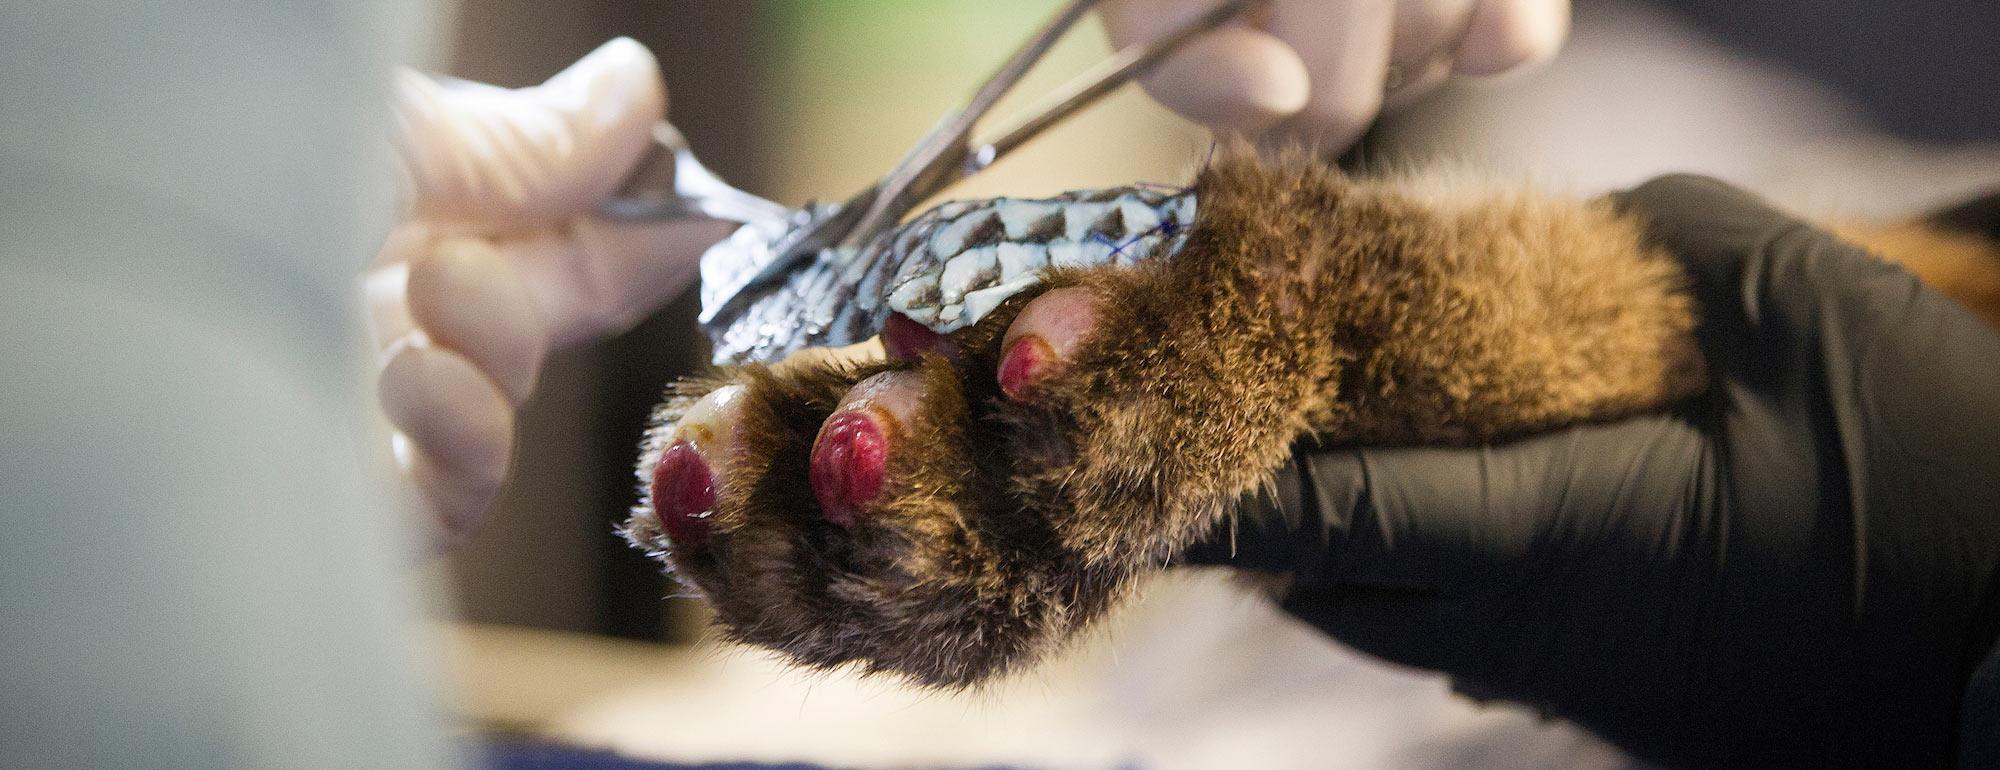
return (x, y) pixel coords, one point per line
(1026, 361)
(849, 464)
(683, 493)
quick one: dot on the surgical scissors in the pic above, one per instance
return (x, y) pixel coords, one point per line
(671, 183)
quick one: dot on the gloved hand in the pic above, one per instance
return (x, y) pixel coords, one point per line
(503, 261)
(1796, 569)
(1324, 67)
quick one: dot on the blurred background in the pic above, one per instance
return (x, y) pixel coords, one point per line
(561, 632)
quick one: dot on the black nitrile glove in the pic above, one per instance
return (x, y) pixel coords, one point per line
(1798, 568)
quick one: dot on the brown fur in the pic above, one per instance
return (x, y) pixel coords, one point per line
(1305, 302)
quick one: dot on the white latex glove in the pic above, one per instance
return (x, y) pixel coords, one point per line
(1322, 68)
(503, 261)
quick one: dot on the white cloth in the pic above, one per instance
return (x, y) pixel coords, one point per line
(197, 565)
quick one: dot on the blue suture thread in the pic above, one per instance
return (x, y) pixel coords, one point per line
(1116, 247)
(1166, 226)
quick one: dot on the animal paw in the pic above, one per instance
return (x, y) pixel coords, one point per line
(969, 506)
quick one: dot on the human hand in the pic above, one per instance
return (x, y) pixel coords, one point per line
(1794, 568)
(503, 260)
(1320, 70)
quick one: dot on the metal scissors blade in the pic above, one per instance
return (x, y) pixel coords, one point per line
(669, 183)
(811, 276)
(947, 155)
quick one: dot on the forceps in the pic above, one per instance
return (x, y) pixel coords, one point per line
(671, 183)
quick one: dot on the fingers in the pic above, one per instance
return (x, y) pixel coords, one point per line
(1320, 70)
(506, 304)
(1507, 34)
(1421, 53)
(387, 305)
(1316, 66)
(455, 428)
(602, 276)
(465, 323)
(1345, 49)
(505, 264)
(1236, 78)
(1460, 558)
(1462, 520)
(1426, 27)
(496, 160)
(468, 299)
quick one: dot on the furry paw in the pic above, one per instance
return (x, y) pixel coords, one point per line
(971, 504)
